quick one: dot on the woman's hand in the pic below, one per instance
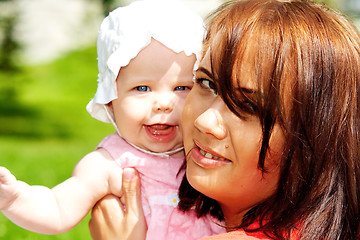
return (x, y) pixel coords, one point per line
(109, 220)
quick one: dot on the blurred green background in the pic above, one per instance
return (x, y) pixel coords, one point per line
(44, 127)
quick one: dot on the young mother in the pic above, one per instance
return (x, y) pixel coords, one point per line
(271, 126)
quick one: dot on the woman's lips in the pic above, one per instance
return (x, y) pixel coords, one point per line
(161, 132)
(207, 160)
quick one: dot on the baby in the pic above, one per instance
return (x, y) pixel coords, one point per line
(146, 57)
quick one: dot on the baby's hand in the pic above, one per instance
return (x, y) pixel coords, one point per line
(8, 188)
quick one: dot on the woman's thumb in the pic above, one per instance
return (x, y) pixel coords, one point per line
(135, 223)
(132, 193)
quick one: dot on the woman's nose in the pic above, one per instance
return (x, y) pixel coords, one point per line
(164, 102)
(211, 122)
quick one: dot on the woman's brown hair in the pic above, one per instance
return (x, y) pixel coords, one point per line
(306, 61)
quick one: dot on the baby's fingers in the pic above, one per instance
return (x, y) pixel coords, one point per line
(8, 188)
(6, 177)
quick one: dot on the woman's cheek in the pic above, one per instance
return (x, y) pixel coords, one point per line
(187, 131)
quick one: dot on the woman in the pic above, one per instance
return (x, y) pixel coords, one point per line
(271, 126)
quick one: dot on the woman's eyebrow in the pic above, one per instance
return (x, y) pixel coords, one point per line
(205, 71)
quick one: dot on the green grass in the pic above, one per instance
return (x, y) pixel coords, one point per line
(45, 129)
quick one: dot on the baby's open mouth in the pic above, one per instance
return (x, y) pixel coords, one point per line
(158, 129)
(161, 132)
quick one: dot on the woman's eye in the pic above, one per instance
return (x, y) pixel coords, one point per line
(142, 88)
(251, 107)
(206, 84)
(181, 88)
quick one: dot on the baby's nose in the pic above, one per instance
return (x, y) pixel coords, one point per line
(164, 102)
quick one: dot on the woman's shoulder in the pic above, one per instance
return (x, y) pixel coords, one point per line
(239, 235)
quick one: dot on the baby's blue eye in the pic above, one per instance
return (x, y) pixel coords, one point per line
(143, 88)
(181, 88)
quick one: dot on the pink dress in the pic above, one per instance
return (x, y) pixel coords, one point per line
(160, 180)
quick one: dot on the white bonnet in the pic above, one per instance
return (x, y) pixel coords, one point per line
(127, 30)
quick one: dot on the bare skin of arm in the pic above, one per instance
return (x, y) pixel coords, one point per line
(56, 210)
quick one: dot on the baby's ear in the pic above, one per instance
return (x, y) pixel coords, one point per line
(110, 107)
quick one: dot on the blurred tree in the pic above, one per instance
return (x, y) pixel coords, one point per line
(109, 5)
(9, 67)
(8, 46)
(8, 43)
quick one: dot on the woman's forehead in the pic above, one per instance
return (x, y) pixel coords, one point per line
(243, 69)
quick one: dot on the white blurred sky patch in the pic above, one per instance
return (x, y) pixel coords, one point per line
(48, 28)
